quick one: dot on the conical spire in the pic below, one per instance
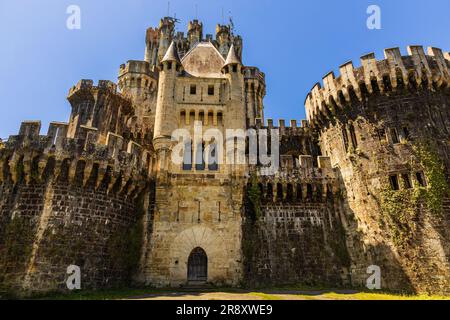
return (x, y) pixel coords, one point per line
(232, 57)
(172, 54)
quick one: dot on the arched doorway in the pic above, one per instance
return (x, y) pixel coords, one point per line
(198, 266)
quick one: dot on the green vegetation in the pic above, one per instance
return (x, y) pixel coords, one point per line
(254, 197)
(339, 247)
(18, 239)
(400, 208)
(125, 245)
(265, 294)
(437, 187)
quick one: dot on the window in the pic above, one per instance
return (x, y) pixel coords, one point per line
(199, 160)
(345, 138)
(394, 182)
(309, 191)
(269, 194)
(421, 179)
(299, 191)
(353, 136)
(394, 136)
(279, 192)
(289, 192)
(406, 181)
(183, 117)
(212, 158)
(381, 135)
(405, 132)
(235, 68)
(210, 90)
(193, 89)
(187, 158)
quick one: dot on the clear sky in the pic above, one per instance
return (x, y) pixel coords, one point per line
(294, 42)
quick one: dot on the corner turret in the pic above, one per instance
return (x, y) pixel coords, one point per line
(195, 32)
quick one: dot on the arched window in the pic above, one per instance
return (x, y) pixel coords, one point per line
(289, 192)
(187, 158)
(269, 194)
(183, 117)
(279, 192)
(199, 159)
(353, 136)
(213, 161)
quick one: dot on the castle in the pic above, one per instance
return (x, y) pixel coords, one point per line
(363, 181)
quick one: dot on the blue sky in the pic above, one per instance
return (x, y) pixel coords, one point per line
(294, 42)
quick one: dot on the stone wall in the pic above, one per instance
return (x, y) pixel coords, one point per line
(67, 201)
(46, 227)
(385, 126)
(195, 211)
(295, 244)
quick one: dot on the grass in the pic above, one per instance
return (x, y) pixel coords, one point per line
(381, 296)
(291, 293)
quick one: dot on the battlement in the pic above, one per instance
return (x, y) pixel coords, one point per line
(87, 84)
(254, 73)
(417, 69)
(135, 66)
(223, 29)
(137, 74)
(195, 25)
(286, 128)
(28, 154)
(168, 22)
(304, 182)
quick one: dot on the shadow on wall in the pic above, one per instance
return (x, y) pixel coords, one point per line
(416, 266)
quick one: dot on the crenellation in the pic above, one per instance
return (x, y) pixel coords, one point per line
(30, 129)
(313, 215)
(381, 76)
(447, 57)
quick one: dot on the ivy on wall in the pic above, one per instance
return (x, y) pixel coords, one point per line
(254, 198)
(400, 209)
(125, 245)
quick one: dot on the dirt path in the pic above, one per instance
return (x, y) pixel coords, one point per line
(218, 296)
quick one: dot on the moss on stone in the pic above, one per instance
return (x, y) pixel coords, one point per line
(437, 186)
(254, 199)
(400, 208)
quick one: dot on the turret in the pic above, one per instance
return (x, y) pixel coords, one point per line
(166, 119)
(255, 90)
(151, 47)
(166, 32)
(378, 124)
(195, 32)
(223, 38)
(233, 69)
(138, 82)
(98, 108)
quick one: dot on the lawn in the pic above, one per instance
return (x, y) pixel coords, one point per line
(240, 294)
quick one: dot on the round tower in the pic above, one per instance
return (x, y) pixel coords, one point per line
(223, 38)
(165, 35)
(233, 70)
(166, 115)
(139, 83)
(195, 32)
(151, 47)
(385, 126)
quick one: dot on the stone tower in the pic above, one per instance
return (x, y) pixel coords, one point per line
(155, 183)
(385, 125)
(195, 33)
